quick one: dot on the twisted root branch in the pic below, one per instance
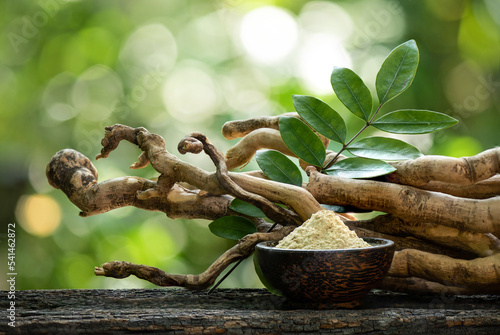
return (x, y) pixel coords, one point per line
(242, 249)
(76, 176)
(260, 133)
(240, 128)
(272, 211)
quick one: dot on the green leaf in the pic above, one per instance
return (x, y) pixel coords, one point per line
(244, 207)
(321, 117)
(358, 167)
(397, 71)
(414, 121)
(384, 148)
(232, 227)
(352, 91)
(278, 167)
(302, 141)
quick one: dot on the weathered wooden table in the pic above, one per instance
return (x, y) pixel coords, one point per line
(241, 311)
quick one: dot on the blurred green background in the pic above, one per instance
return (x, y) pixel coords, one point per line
(70, 68)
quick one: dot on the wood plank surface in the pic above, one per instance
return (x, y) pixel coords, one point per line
(241, 311)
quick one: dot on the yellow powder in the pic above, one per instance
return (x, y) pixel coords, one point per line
(324, 230)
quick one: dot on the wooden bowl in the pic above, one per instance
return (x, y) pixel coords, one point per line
(330, 278)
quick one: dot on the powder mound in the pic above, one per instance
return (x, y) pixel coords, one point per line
(324, 230)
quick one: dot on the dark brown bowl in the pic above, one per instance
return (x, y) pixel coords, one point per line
(340, 277)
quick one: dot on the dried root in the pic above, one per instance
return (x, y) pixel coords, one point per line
(479, 244)
(273, 211)
(484, 189)
(409, 203)
(243, 249)
(241, 128)
(463, 171)
(443, 213)
(481, 274)
(259, 133)
(241, 153)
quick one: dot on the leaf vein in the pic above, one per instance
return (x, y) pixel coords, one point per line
(395, 76)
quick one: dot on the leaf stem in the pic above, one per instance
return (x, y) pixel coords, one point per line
(225, 276)
(345, 145)
(375, 114)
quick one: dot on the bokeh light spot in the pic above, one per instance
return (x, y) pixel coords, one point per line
(190, 93)
(477, 42)
(461, 146)
(56, 98)
(38, 214)
(468, 90)
(76, 270)
(319, 54)
(150, 47)
(449, 10)
(326, 17)
(156, 241)
(61, 111)
(268, 34)
(96, 91)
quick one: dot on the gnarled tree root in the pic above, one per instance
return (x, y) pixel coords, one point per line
(242, 249)
(273, 211)
(440, 221)
(410, 203)
(260, 133)
(76, 176)
(243, 151)
(176, 170)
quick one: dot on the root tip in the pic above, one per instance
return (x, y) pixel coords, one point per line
(99, 271)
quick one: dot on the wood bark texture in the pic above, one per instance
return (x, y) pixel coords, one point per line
(241, 311)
